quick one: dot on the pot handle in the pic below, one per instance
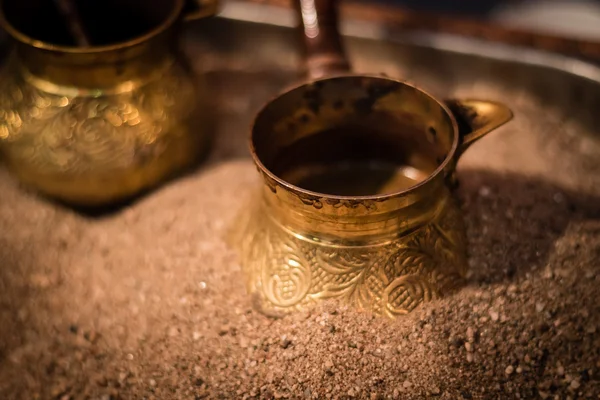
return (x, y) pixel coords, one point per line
(325, 54)
(477, 118)
(198, 9)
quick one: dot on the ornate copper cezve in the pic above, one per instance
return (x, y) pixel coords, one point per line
(95, 124)
(358, 172)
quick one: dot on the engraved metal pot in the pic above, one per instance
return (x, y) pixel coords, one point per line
(358, 172)
(99, 124)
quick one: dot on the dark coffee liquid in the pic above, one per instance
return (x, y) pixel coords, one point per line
(104, 22)
(350, 162)
(355, 178)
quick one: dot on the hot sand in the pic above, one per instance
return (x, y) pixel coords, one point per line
(148, 301)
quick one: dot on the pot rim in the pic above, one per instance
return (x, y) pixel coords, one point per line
(42, 45)
(448, 160)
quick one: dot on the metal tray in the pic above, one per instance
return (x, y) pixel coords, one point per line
(250, 52)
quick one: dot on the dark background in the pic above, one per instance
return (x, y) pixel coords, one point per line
(471, 7)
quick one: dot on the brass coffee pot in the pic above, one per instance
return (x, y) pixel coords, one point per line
(357, 174)
(98, 118)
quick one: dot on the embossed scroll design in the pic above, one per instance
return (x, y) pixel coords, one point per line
(286, 273)
(70, 134)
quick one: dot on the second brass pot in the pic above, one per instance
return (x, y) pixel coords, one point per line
(99, 124)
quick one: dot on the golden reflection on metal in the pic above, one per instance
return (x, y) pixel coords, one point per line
(96, 125)
(380, 238)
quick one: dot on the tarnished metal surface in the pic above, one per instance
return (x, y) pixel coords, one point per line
(554, 136)
(355, 204)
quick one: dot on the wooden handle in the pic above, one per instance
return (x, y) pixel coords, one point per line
(325, 54)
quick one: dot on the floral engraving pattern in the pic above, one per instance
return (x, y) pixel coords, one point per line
(286, 273)
(68, 134)
(403, 294)
(286, 277)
